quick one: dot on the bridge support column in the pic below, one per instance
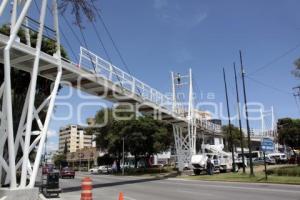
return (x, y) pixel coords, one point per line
(16, 145)
(185, 144)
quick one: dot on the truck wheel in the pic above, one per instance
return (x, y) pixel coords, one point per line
(197, 172)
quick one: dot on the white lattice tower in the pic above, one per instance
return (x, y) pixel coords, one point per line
(13, 141)
(184, 135)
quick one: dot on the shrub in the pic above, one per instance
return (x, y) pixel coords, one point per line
(285, 171)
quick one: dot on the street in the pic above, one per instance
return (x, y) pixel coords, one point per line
(139, 188)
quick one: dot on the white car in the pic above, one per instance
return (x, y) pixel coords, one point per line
(280, 158)
(105, 169)
(94, 170)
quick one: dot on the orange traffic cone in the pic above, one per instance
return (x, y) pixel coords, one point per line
(121, 196)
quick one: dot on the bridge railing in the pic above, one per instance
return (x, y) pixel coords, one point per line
(102, 68)
(108, 71)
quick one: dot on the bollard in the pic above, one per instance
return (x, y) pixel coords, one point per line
(86, 189)
(121, 196)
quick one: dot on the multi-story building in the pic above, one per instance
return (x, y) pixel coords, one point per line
(75, 137)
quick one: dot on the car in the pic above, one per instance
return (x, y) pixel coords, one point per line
(94, 170)
(261, 161)
(67, 172)
(105, 169)
(280, 158)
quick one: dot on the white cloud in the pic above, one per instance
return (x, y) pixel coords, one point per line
(200, 17)
(173, 13)
(52, 134)
(51, 146)
(52, 141)
(183, 56)
(160, 4)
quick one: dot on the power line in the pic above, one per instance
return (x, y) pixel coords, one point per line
(113, 43)
(72, 30)
(65, 38)
(101, 42)
(276, 59)
(111, 38)
(268, 86)
(86, 46)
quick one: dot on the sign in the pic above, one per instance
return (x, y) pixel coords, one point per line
(267, 144)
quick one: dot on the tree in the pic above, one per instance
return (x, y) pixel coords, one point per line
(296, 71)
(236, 136)
(143, 136)
(59, 160)
(19, 91)
(79, 8)
(289, 132)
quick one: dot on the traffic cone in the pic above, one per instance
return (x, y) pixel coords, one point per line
(121, 196)
(86, 189)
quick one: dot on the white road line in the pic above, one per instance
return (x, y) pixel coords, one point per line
(195, 192)
(129, 198)
(234, 183)
(233, 187)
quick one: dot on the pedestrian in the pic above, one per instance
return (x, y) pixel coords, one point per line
(114, 167)
(209, 166)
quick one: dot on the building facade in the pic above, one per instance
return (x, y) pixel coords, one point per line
(74, 137)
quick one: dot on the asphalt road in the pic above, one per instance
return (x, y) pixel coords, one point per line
(108, 188)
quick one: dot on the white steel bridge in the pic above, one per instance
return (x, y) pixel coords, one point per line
(93, 75)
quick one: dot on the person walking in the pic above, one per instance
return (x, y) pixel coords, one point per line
(209, 166)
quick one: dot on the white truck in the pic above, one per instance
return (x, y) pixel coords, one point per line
(199, 162)
(221, 160)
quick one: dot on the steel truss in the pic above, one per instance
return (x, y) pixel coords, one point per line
(185, 135)
(15, 141)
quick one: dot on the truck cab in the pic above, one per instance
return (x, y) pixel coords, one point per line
(199, 162)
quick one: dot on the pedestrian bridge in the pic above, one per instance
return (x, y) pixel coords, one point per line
(98, 77)
(92, 75)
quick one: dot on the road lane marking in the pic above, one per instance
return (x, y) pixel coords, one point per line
(129, 198)
(232, 187)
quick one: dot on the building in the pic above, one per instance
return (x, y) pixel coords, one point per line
(75, 137)
(204, 115)
(83, 159)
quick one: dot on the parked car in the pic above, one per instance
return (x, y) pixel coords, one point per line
(67, 172)
(105, 169)
(280, 158)
(260, 161)
(94, 170)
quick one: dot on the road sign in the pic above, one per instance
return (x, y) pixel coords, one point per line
(267, 144)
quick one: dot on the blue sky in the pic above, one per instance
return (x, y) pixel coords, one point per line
(159, 36)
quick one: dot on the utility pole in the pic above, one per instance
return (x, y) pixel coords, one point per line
(297, 96)
(229, 122)
(247, 120)
(239, 116)
(123, 159)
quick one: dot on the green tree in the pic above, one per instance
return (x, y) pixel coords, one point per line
(21, 79)
(59, 159)
(236, 136)
(143, 136)
(289, 132)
